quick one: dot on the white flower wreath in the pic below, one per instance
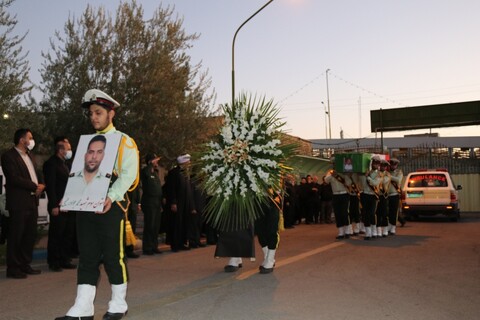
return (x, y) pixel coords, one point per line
(243, 163)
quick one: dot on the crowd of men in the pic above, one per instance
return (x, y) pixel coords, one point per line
(172, 203)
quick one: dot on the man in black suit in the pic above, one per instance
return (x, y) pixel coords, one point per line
(23, 188)
(61, 229)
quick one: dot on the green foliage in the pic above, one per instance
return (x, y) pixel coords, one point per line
(13, 78)
(142, 63)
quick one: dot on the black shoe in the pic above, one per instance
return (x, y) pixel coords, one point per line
(202, 245)
(264, 270)
(132, 255)
(74, 318)
(184, 248)
(367, 238)
(113, 316)
(30, 270)
(16, 274)
(148, 253)
(68, 265)
(229, 268)
(157, 251)
(193, 246)
(340, 237)
(55, 268)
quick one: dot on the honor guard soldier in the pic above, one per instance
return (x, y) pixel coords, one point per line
(101, 234)
(354, 207)
(267, 230)
(382, 207)
(369, 197)
(396, 176)
(341, 200)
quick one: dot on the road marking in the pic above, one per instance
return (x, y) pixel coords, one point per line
(284, 262)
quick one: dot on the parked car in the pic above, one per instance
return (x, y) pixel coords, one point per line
(430, 192)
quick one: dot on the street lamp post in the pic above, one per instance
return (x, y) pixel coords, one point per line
(328, 104)
(233, 50)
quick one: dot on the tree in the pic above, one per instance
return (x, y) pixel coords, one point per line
(14, 71)
(141, 63)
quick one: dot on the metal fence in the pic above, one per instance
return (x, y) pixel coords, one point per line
(455, 160)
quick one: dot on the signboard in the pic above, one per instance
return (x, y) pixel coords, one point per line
(91, 172)
(424, 117)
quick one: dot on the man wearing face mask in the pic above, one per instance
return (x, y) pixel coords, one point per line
(23, 188)
(61, 229)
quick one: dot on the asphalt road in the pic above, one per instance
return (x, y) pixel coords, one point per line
(429, 270)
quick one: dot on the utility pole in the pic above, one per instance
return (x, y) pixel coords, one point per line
(326, 114)
(328, 105)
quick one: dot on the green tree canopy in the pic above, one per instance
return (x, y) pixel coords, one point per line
(13, 78)
(141, 63)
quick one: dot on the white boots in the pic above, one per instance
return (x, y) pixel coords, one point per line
(348, 230)
(83, 306)
(393, 229)
(341, 233)
(368, 233)
(118, 304)
(269, 261)
(233, 264)
(265, 255)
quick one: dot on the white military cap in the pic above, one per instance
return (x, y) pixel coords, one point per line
(95, 96)
(183, 158)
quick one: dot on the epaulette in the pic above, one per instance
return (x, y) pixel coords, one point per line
(108, 175)
(71, 175)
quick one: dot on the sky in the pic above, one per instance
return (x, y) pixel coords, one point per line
(380, 54)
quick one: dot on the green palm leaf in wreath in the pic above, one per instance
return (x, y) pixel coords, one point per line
(243, 164)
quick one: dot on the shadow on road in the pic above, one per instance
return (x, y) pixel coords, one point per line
(396, 241)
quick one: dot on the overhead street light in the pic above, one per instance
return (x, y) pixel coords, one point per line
(233, 50)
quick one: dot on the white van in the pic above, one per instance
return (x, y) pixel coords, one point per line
(43, 217)
(430, 192)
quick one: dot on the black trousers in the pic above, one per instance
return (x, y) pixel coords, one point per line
(382, 211)
(101, 240)
(61, 232)
(21, 238)
(152, 214)
(266, 228)
(354, 209)
(340, 203)
(369, 204)
(393, 204)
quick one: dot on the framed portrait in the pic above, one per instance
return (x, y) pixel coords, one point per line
(92, 170)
